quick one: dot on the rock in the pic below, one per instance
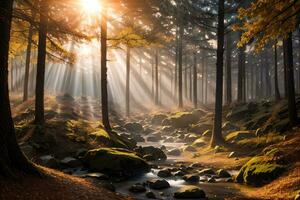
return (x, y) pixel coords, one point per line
(182, 119)
(201, 127)
(149, 157)
(207, 172)
(169, 140)
(115, 161)
(192, 178)
(180, 173)
(168, 129)
(191, 138)
(199, 143)
(71, 162)
(81, 152)
(232, 155)
(239, 135)
(97, 175)
(196, 165)
(217, 149)
(189, 192)
(158, 119)
(174, 152)
(154, 138)
(189, 149)
(150, 195)
(297, 197)
(259, 171)
(207, 133)
(228, 126)
(165, 173)
(223, 173)
(156, 153)
(211, 180)
(158, 184)
(138, 138)
(163, 147)
(49, 161)
(137, 188)
(134, 127)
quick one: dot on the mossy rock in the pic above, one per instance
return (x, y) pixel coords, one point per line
(182, 119)
(158, 119)
(115, 161)
(199, 143)
(259, 171)
(239, 135)
(134, 127)
(201, 127)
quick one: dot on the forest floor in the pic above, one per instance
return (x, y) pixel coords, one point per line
(70, 122)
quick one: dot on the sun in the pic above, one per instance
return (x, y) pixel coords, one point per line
(92, 7)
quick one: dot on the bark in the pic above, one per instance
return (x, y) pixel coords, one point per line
(180, 46)
(156, 77)
(176, 67)
(217, 137)
(127, 95)
(191, 84)
(241, 74)
(276, 87)
(228, 70)
(267, 75)
(104, 93)
(41, 64)
(27, 64)
(195, 82)
(289, 66)
(11, 157)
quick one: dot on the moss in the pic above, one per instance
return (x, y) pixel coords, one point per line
(239, 135)
(182, 119)
(259, 171)
(115, 161)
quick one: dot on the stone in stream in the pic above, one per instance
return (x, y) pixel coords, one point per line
(158, 184)
(164, 173)
(137, 188)
(223, 173)
(297, 197)
(149, 157)
(150, 195)
(192, 178)
(211, 180)
(80, 153)
(174, 152)
(196, 165)
(207, 172)
(134, 127)
(180, 173)
(168, 129)
(97, 175)
(49, 161)
(115, 161)
(157, 153)
(154, 138)
(189, 192)
(189, 138)
(71, 162)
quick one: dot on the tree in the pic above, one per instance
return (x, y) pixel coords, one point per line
(228, 69)
(195, 81)
(104, 95)
(41, 64)
(217, 137)
(11, 157)
(277, 93)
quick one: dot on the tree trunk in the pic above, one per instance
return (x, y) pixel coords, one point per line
(217, 137)
(156, 78)
(241, 74)
(41, 64)
(277, 93)
(176, 66)
(28, 57)
(180, 46)
(11, 157)
(228, 70)
(267, 75)
(289, 66)
(104, 93)
(127, 95)
(195, 82)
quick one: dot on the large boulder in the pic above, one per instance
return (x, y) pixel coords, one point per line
(158, 119)
(222, 173)
(115, 161)
(174, 152)
(201, 127)
(189, 192)
(134, 127)
(156, 153)
(191, 178)
(182, 119)
(259, 171)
